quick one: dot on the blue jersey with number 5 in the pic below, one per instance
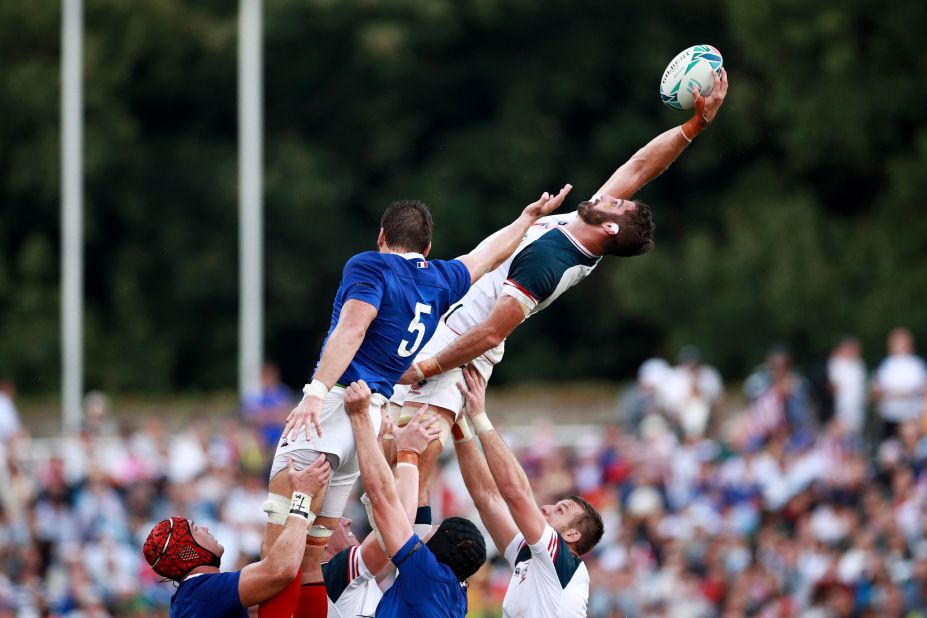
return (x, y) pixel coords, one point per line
(410, 295)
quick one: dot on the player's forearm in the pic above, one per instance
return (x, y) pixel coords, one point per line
(407, 489)
(340, 349)
(476, 475)
(509, 476)
(646, 164)
(286, 554)
(375, 473)
(479, 339)
(503, 243)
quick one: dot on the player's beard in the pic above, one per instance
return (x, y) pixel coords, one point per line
(591, 215)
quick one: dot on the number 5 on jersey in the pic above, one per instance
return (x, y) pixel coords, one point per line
(416, 328)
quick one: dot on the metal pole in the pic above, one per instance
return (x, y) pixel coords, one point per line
(71, 213)
(250, 90)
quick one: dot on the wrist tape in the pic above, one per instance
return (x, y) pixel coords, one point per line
(407, 456)
(299, 507)
(427, 368)
(316, 389)
(481, 423)
(461, 431)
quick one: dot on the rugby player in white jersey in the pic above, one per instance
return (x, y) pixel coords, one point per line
(542, 545)
(558, 252)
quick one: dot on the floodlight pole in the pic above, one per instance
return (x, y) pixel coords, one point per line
(72, 189)
(250, 156)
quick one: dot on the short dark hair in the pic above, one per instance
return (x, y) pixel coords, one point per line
(590, 526)
(407, 226)
(636, 231)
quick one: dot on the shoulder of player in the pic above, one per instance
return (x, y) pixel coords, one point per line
(338, 572)
(557, 245)
(365, 258)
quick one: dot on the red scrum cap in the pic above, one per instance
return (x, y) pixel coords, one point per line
(172, 552)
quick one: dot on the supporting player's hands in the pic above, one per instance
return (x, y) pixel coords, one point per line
(357, 398)
(311, 479)
(474, 391)
(306, 413)
(547, 203)
(417, 434)
(706, 108)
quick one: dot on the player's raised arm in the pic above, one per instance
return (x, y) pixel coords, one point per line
(653, 159)
(414, 438)
(510, 477)
(388, 512)
(498, 247)
(262, 580)
(504, 318)
(478, 479)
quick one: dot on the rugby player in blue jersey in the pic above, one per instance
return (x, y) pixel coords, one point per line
(187, 553)
(432, 575)
(388, 305)
(350, 568)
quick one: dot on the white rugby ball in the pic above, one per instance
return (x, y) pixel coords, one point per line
(692, 67)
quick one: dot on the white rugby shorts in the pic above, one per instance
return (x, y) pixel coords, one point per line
(337, 442)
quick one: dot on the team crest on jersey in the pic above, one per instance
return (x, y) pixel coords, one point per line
(422, 264)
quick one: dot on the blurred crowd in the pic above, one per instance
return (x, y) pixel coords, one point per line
(797, 493)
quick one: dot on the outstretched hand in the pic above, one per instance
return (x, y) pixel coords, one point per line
(474, 391)
(547, 203)
(311, 479)
(706, 108)
(417, 434)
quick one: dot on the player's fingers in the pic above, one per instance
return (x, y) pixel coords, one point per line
(318, 428)
(468, 379)
(287, 430)
(462, 388)
(420, 413)
(723, 82)
(289, 465)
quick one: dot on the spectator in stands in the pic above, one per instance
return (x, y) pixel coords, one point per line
(645, 396)
(846, 374)
(9, 416)
(900, 382)
(693, 390)
(267, 408)
(778, 397)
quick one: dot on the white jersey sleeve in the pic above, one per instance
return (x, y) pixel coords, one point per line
(352, 588)
(547, 580)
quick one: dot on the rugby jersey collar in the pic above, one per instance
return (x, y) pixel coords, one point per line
(577, 244)
(412, 256)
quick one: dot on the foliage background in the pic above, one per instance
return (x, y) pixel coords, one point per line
(795, 218)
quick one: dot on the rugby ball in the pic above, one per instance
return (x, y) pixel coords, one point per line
(691, 68)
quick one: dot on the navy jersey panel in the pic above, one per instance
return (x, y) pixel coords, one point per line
(209, 596)
(424, 588)
(540, 266)
(410, 294)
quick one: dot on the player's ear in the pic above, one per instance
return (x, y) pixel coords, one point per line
(571, 535)
(381, 240)
(611, 228)
(427, 250)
